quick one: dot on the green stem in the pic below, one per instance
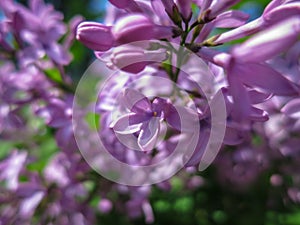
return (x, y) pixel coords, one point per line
(181, 52)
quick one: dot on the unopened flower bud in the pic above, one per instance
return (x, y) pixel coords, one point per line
(121, 4)
(135, 27)
(185, 8)
(133, 59)
(172, 11)
(95, 36)
(129, 5)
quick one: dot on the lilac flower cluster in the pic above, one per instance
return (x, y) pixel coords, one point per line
(249, 76)
(34, 42)
(258, 79)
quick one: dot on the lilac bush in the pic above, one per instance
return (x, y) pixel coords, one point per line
(182, 72)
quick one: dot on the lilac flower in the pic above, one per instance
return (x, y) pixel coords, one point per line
(248, 76)
(228, 19)
(121, 150)
(128, 5)
(185, 8)
(105, 206)
(41, 27)
(240, 168)
(10, 119)
(160, 15)
(58, 114)
(274, 40)
(142, 24)
(11, 169)
(292, 109)
(108, 99)
(132, 58)
(139, 203)
(275, 12)
(122, 4)
(137, 27)
(29, 81)
(95, 36)
(248, 58)
(56, 171)
(203, 4)
(169, 6)
(218, 7)
(31, 194)
(4, 31)
(145, 118)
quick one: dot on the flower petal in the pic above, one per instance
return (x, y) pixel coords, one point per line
(258, 97)
(258, 115)
(292, 109)
(149, 134)
(232, 18)
(182, 119)
(135, 101)
(124, 125)
(232, 136)
(266, 78)
(270, 42)
(242, 105)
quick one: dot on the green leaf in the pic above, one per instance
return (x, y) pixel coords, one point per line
(54, 75)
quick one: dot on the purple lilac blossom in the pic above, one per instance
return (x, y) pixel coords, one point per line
(31, 29)
(244, 87)
(258, 78)
(95, 36)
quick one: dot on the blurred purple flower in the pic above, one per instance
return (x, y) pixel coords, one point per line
(58, 114)
(292, 109)
(105, 205)
(39, 26)
(11, 169)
